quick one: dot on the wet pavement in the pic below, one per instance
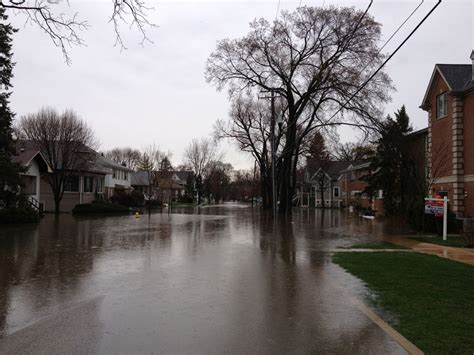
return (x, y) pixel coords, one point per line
(222, 280)
(462, 255)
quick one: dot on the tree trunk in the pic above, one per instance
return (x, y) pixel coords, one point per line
(57, 204)
(286, 190)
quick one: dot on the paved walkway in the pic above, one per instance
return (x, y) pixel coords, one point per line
(462, 255)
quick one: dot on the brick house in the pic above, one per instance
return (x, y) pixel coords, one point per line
(353, 185)
(449, 101)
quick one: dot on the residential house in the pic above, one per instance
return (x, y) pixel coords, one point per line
(31, 158)
(118, 179)
(321, 185)
(449, 101)
(165, 186)
(353, 185)
(83, 185)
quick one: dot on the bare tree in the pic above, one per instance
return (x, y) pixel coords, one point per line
(249, 127)
(149, 165)
(353, 151)
(64, 30)
(128, 156)
(198, 154)
(66, 142)
(315, 59)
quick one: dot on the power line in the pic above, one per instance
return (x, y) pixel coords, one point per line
(386, 60)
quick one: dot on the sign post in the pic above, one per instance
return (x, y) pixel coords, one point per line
(439, 207)
(445, 218)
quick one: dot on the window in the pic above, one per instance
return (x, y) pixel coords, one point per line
(441, 105)
(114, 173)
(336, 192)
(88, 183)
(126, 175)
(71, 184)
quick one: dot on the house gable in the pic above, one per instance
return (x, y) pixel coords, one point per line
(437, 73)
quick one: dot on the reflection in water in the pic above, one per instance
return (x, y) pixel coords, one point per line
(224, 279)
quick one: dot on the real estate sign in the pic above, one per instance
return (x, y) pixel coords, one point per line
(434, 206)
(439, 207)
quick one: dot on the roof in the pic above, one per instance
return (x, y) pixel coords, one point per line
(183, 175)
(166, 178)
(140, 178)
(357, 166)
(111, 164)
(419, 132)
(458, 78)
(333, 169)
(28, 149)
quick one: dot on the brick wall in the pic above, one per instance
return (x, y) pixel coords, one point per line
(441, 131)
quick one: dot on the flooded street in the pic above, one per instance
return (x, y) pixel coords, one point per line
(226, 280)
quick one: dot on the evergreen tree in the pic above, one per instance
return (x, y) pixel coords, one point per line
(165, 164)
(9, 171)
(390, 165)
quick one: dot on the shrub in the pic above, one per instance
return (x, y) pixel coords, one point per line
(133, 199)
(100, 207)
(19, 215)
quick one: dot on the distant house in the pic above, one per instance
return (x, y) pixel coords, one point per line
(118, 179)
(449, 101)
(146, 183)
(353, 184)
(161, 185)
(321, 185)
(31, 158)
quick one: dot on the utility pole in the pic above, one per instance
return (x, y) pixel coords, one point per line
(272, 128)
(273, 149)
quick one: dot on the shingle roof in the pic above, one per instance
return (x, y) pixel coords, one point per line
(183, 175)
(140, 178)
(111, 164)
(25, 152)
(334, 168)
(458, 76)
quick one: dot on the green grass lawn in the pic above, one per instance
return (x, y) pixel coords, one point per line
(453, 240)
(376, 245)
(432, 298)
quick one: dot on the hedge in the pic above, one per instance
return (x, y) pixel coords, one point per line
(100, 207)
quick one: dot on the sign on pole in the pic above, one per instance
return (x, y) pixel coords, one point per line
(439, 207)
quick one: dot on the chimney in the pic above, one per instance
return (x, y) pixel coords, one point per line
(472, 58)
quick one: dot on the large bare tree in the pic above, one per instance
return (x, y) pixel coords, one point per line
(63, 25)
(66, 142)
(315, 59)
(198, 155)
(248, 127)
(128, 156)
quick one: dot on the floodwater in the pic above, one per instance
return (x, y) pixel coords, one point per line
(221, 279)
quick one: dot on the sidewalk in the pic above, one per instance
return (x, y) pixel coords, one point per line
(465, 256)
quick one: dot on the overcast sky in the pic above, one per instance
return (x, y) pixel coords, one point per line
(158, 93)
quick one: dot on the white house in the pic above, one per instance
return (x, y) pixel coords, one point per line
(31, 158)
(118, 178)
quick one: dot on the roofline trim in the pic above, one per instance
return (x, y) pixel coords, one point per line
(428, 89)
